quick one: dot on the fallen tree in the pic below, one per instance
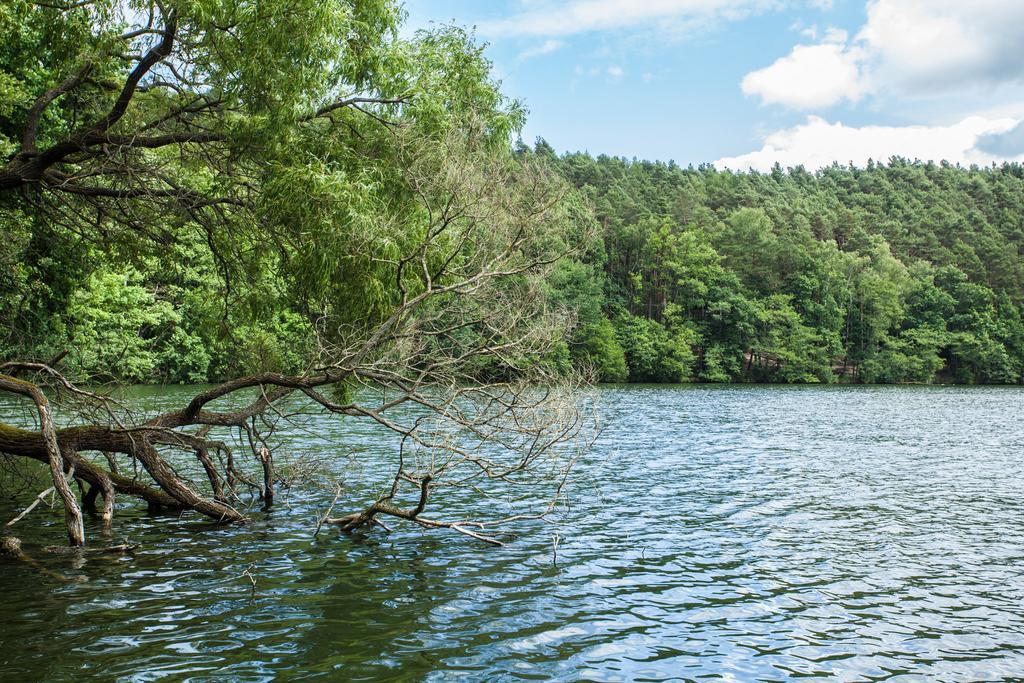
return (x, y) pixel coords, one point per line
(459, 370)
(534, 427)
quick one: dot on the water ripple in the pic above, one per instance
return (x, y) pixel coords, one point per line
(742, 533)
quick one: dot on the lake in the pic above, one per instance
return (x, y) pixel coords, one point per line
(743, 532)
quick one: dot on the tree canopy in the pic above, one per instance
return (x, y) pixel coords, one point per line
(898, 272)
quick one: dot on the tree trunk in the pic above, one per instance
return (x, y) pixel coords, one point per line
(175, 494)
(54, 456)
(266, 459)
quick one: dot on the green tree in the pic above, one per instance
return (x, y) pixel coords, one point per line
(347, 220)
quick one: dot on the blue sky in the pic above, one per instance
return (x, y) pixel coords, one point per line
(745, 83)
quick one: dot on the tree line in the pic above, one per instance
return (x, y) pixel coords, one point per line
(897, 272)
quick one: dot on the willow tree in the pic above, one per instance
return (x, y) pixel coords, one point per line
(368, 177)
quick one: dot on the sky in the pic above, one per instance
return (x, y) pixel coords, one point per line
(748, 83)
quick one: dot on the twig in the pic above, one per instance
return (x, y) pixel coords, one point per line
(320, 522)
(249, 575)
(30, 508)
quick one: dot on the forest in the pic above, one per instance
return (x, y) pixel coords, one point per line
(138, 266)
(899, 272)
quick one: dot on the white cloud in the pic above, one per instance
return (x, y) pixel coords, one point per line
(818, 143)
(545, 48)
(835, 35)
(610, 73)
(810, 76)
(946, 44)
(811, 32)
(581, 16)
(906, 47)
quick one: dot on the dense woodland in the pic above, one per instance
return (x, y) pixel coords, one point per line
(898, 272)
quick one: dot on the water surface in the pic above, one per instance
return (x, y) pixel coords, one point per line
(751, 533)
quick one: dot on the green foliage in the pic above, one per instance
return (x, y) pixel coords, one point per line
(599, 348)
(217, 258)
(185, 358)
(895, 273)
(200, 260)
(119, 328)
(788, 349)
(278, 343)
(653, 353)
